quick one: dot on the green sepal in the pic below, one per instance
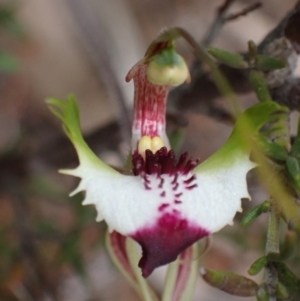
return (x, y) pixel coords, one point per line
(230, 282)
(257, 265)
(267, 63)
(67, 111)
(230, 59)
(273, 150)
(258, 83)
(254, 213)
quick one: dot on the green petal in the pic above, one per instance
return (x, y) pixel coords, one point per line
(240, 142)
(67, 112)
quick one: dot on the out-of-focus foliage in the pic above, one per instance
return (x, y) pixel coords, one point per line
(10, 26)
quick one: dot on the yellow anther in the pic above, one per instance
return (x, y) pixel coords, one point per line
(144, 144)
(157, 144)
(154, 144)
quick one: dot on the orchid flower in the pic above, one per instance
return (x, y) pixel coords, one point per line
(163, 203)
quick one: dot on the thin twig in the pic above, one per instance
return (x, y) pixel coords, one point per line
(244, 12)
(222, 18)
(217, 24)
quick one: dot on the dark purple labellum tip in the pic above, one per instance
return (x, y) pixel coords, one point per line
(162, 243)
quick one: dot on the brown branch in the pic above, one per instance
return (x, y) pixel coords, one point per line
(217, 24)
(244, 12)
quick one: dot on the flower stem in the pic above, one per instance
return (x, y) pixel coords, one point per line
(146, 293)
(170, 281)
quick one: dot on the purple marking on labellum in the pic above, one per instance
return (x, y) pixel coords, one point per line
(163, 206)
(165, 240)
(191, 179)
(191, 187)
(163, 194)
(175, 179)
(175, 186)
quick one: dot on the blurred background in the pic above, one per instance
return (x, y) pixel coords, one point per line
(51, 248)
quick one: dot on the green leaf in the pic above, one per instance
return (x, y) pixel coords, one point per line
(281, 291)
(258, 83)
(233, 60)
(267, 63)
(257, 266)
(293, 170)
(254, 213)
(230, 282)
(273, 150)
